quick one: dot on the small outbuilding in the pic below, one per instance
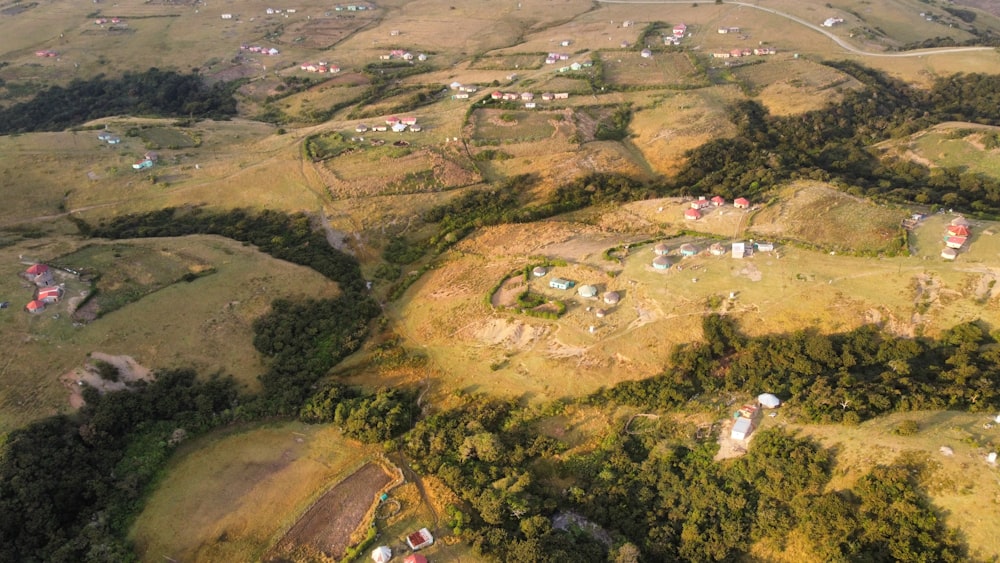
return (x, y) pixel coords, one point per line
(560, 283)
(539, 271)
(688, 249)
(381, 554)
(612, 298)
(741, 429)
(741, 203)
(739, 249)
(692, 214)
(415, 558)
(717, 249)
(718, 201)
(661, 249)
(949, 253)
(35, 306)
(661, 263)
(419, 539)
(601, 313)
(587, 291)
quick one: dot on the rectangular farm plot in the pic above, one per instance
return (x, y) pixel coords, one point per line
(514, 61)
(512, 126)
(166, 138)
(630, 68)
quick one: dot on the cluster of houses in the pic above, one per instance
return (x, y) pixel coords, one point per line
(462, 91)
(576, 66)
(728, 30)
(46, 53)
(738, 250)
(416, 541)
(258, 49)
(748, 415)
(320, 68)
(46, 292)
(109, 138)
(403, 54)
(830, 22)
(396, 124)
(955, 237)
(103, 21)
(527, 97)
(610, 298)
(677, 33)
(694, 211)
(736, 53)
(273, 11)
(353, 7)
(553, 58)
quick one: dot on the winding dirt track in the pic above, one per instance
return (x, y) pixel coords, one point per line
(844, 44)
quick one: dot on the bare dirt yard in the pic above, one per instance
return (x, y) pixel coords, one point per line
(328, 524)
(128, 371)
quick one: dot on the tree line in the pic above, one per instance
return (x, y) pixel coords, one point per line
(153, 92)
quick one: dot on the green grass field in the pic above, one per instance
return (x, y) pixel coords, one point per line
(230, 495)
(505, 126)
(628, 68)
(210, 332)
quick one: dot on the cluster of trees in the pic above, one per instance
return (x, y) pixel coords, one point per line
(831, 144)
(69, 486)
(829, 378)
(660, 496)
(154, 92)
(369, 418)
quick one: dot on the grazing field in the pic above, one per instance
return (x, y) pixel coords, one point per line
(629, 68)
(492, 126)
(211, 332)
(230, 495)
(815, 214)
(401, 169)
(166, 138)
(788, 86)
(961, 485)
(969, 146)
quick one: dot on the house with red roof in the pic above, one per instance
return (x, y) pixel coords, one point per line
(692, 214)
(718, 201)
(496, 95)
(419, 539)
(50, 294)
(408, 120)
(955, 242)
(680, 30)
(35, 306)
(700, 203)
(39, 274)
(958, 231)
(741, 203)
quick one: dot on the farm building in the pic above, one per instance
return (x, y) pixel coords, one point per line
(227, 16)
(38, 274)
(764, 246)
(830, 22)
(419, 539)
(700, 203)
(739, 249)
(741, 203)
(692, 214)
(688, 249)
(408, 120)
(415, 558)
(680, 30)
(539, 271)
(612, 297)
(35, 306)
(399, 127)
(114, 140)
(661, 263)
(661, 249)
(496, 95)
(955, 242)
(718, 201)
(741, 429)
(559, 283)
(725, 30)
(144, 163)
(949, 253)
(645, 53)
(361, 128)
(381, 554)
(50, 294)
(717, 249)
(601, 313)
(530, 105)
(587, 291)
(560, 96)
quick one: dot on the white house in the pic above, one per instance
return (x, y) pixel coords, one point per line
(739, 249)
(741, 429)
